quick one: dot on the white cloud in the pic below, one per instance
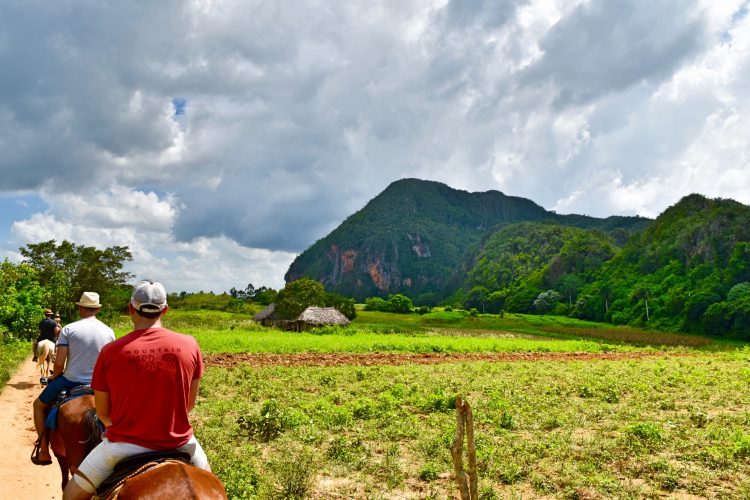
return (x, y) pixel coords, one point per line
(298, 113)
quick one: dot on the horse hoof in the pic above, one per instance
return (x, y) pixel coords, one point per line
(43, 380)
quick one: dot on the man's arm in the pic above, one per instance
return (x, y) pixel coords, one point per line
(193, 393)
(103, 405)
(60, 358)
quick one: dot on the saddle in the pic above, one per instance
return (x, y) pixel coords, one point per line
(62, 398)
(131, 466)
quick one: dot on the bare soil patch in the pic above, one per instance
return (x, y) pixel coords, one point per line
(229, 360)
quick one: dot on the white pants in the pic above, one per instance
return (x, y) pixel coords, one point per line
(100, 463)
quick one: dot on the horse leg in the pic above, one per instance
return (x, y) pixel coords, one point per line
(63, 463)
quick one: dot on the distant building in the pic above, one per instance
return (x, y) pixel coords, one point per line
(312, 317)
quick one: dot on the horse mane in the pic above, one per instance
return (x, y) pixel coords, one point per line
(94, 429)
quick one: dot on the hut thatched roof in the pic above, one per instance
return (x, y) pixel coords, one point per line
(265, 313)
(323, 316)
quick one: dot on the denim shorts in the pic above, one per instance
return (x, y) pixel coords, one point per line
(55, 387)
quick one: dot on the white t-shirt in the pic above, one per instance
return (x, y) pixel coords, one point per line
(84, 339)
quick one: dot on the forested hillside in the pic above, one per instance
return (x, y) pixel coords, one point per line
(690, 270)
(519, 262)
(419, 238)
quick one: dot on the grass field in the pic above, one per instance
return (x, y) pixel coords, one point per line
(651, 428)
(672, 425)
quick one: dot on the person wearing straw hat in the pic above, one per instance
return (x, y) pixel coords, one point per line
(78, 346)
(48, 330)
(145, 384)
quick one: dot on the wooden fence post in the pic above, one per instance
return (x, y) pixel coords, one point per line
(467, 481)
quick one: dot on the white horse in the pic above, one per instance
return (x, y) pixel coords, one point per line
(45, 355)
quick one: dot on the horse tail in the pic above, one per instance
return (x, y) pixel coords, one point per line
(94, 430)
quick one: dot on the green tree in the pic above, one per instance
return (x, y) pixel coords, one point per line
(400, 304)
(376, 304)
(343, 304)
(642, 293)
(67, 270)
(569, 286)
(297, 296)
(545, 301)
(477, 298)
(21, 301)
(496, 302)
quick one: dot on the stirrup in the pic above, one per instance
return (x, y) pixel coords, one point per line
(35, 454)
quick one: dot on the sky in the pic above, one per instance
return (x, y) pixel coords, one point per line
(219, 139)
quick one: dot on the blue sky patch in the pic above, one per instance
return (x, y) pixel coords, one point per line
(179, 105)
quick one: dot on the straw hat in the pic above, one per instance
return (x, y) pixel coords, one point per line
(90, 300)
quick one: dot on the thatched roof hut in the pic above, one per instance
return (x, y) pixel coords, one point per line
(264, 314)
(321, 316)
(312, 317)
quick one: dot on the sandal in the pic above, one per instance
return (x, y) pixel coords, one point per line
(35, 454)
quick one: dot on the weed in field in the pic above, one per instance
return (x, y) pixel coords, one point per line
(364, 409)
(667, 405)
(586, 392)
(487, 492)
(292, 472)
(346, 452)
(698, 417)
(643, 435)
(429, 472)
(542, 484)
(506, 421)
(510, 472)
(551, 422)
(437, 402)
(268, 424)
(388, 469)
(741, 445)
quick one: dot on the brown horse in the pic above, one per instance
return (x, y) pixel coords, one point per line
(173, 480)
(77, 434)
(72, 440)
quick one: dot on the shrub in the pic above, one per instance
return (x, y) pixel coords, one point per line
(268, 424)
(292, 472)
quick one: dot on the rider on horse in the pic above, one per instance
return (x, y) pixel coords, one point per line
(79, 344)
(48, 330)
(145, 384)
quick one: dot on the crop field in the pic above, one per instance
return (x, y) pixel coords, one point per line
(562, 408)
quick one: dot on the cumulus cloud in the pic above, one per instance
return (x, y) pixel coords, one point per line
(251, 129)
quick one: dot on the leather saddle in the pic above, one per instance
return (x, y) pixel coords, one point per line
(131, 466)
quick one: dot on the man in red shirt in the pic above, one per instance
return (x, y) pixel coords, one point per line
(145, 384)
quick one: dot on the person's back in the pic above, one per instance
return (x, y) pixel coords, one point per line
(84, 339)
(47, 328)
(166, 363)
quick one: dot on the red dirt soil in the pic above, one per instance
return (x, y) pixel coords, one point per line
(229, 360)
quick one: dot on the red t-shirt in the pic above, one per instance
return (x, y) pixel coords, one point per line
(147, 374)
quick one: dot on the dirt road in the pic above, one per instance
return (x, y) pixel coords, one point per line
(19, 478)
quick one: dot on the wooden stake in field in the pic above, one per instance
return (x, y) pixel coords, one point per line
(467, 480)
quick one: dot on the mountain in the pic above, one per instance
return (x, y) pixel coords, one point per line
(420, 238)
(689, 270)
